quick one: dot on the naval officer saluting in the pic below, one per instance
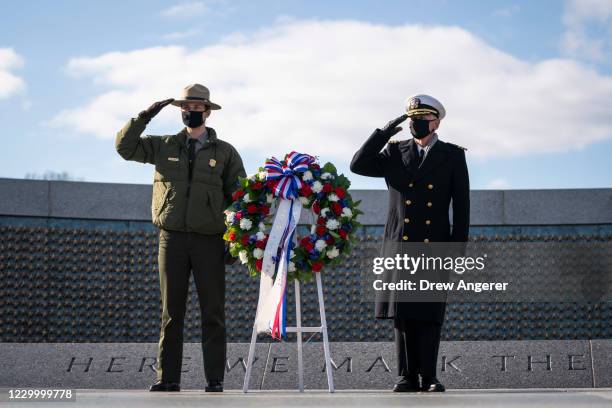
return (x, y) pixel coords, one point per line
(424, 175)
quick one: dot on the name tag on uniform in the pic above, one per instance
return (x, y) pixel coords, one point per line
(173, 159)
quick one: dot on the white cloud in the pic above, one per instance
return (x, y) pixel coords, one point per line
(10, 83)
(185, 9)
(178, 35)
(588, 29)
(322, 86)
(498, 184)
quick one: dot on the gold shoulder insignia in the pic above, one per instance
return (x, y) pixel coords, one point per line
(393, 141)
(456, 145)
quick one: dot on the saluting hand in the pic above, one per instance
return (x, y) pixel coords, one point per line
(154, 109)
(391, 127)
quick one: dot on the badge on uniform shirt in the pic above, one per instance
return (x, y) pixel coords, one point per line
(212, 162)
(173, 158)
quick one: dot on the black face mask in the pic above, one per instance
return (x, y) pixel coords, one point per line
(419, 128)
(193, 119)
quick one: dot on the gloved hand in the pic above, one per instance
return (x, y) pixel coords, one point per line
(154, 109)
(391, 128)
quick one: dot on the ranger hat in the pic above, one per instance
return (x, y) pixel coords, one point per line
(424, 104)
(196, 93)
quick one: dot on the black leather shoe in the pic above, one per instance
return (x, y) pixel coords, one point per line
(407, 384)
(214, 386)
(165, 386)
(433, 386)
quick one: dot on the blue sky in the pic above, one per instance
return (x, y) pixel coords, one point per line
(67, 81)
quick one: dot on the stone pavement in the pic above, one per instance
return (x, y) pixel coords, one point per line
(574, 398)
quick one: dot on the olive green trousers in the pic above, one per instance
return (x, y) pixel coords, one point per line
(180, 254)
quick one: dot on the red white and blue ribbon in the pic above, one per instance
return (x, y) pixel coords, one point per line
(271, 306)
(287, 174)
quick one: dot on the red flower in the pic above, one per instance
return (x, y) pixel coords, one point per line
(232, 236)
(320, 230)
(320, 221)
(329, 240)
(237, 194)
(327, 187)
(245, 239)
(307, 244)
(265, 210)
(251, 208)
(260, 244)
(340, 192)
(317, 266)
(343, 234)
(271, 184)
(306, 190)
(259, 264)
(239, 215)
(316, 208)
(315, 166)
(336, 208)
(257, 185)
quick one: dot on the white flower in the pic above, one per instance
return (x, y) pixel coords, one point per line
(244, 258)
(262, 227)
(230, 217)
(258, 253)
(324, 212)
(332, 253)
(333, 197)
(346, 212)
(313, 229)
(246, 224)
(292, 267)
(269, 198)
(246, 198)
(307, 176)
(261, 175)
(304, 201)
(326, 176)
(320, 245)
(332, 224)
(260, 236)
(292, 254)
(317, 187)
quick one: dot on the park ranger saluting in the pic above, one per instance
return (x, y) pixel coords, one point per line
(195, 175)
(423, 175)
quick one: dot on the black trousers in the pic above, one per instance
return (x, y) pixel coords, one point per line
(180, 254)
(416, 346)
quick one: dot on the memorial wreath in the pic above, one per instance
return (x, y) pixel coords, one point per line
(302, 181)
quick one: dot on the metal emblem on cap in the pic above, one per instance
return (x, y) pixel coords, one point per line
(212, 162)
(414, 103)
